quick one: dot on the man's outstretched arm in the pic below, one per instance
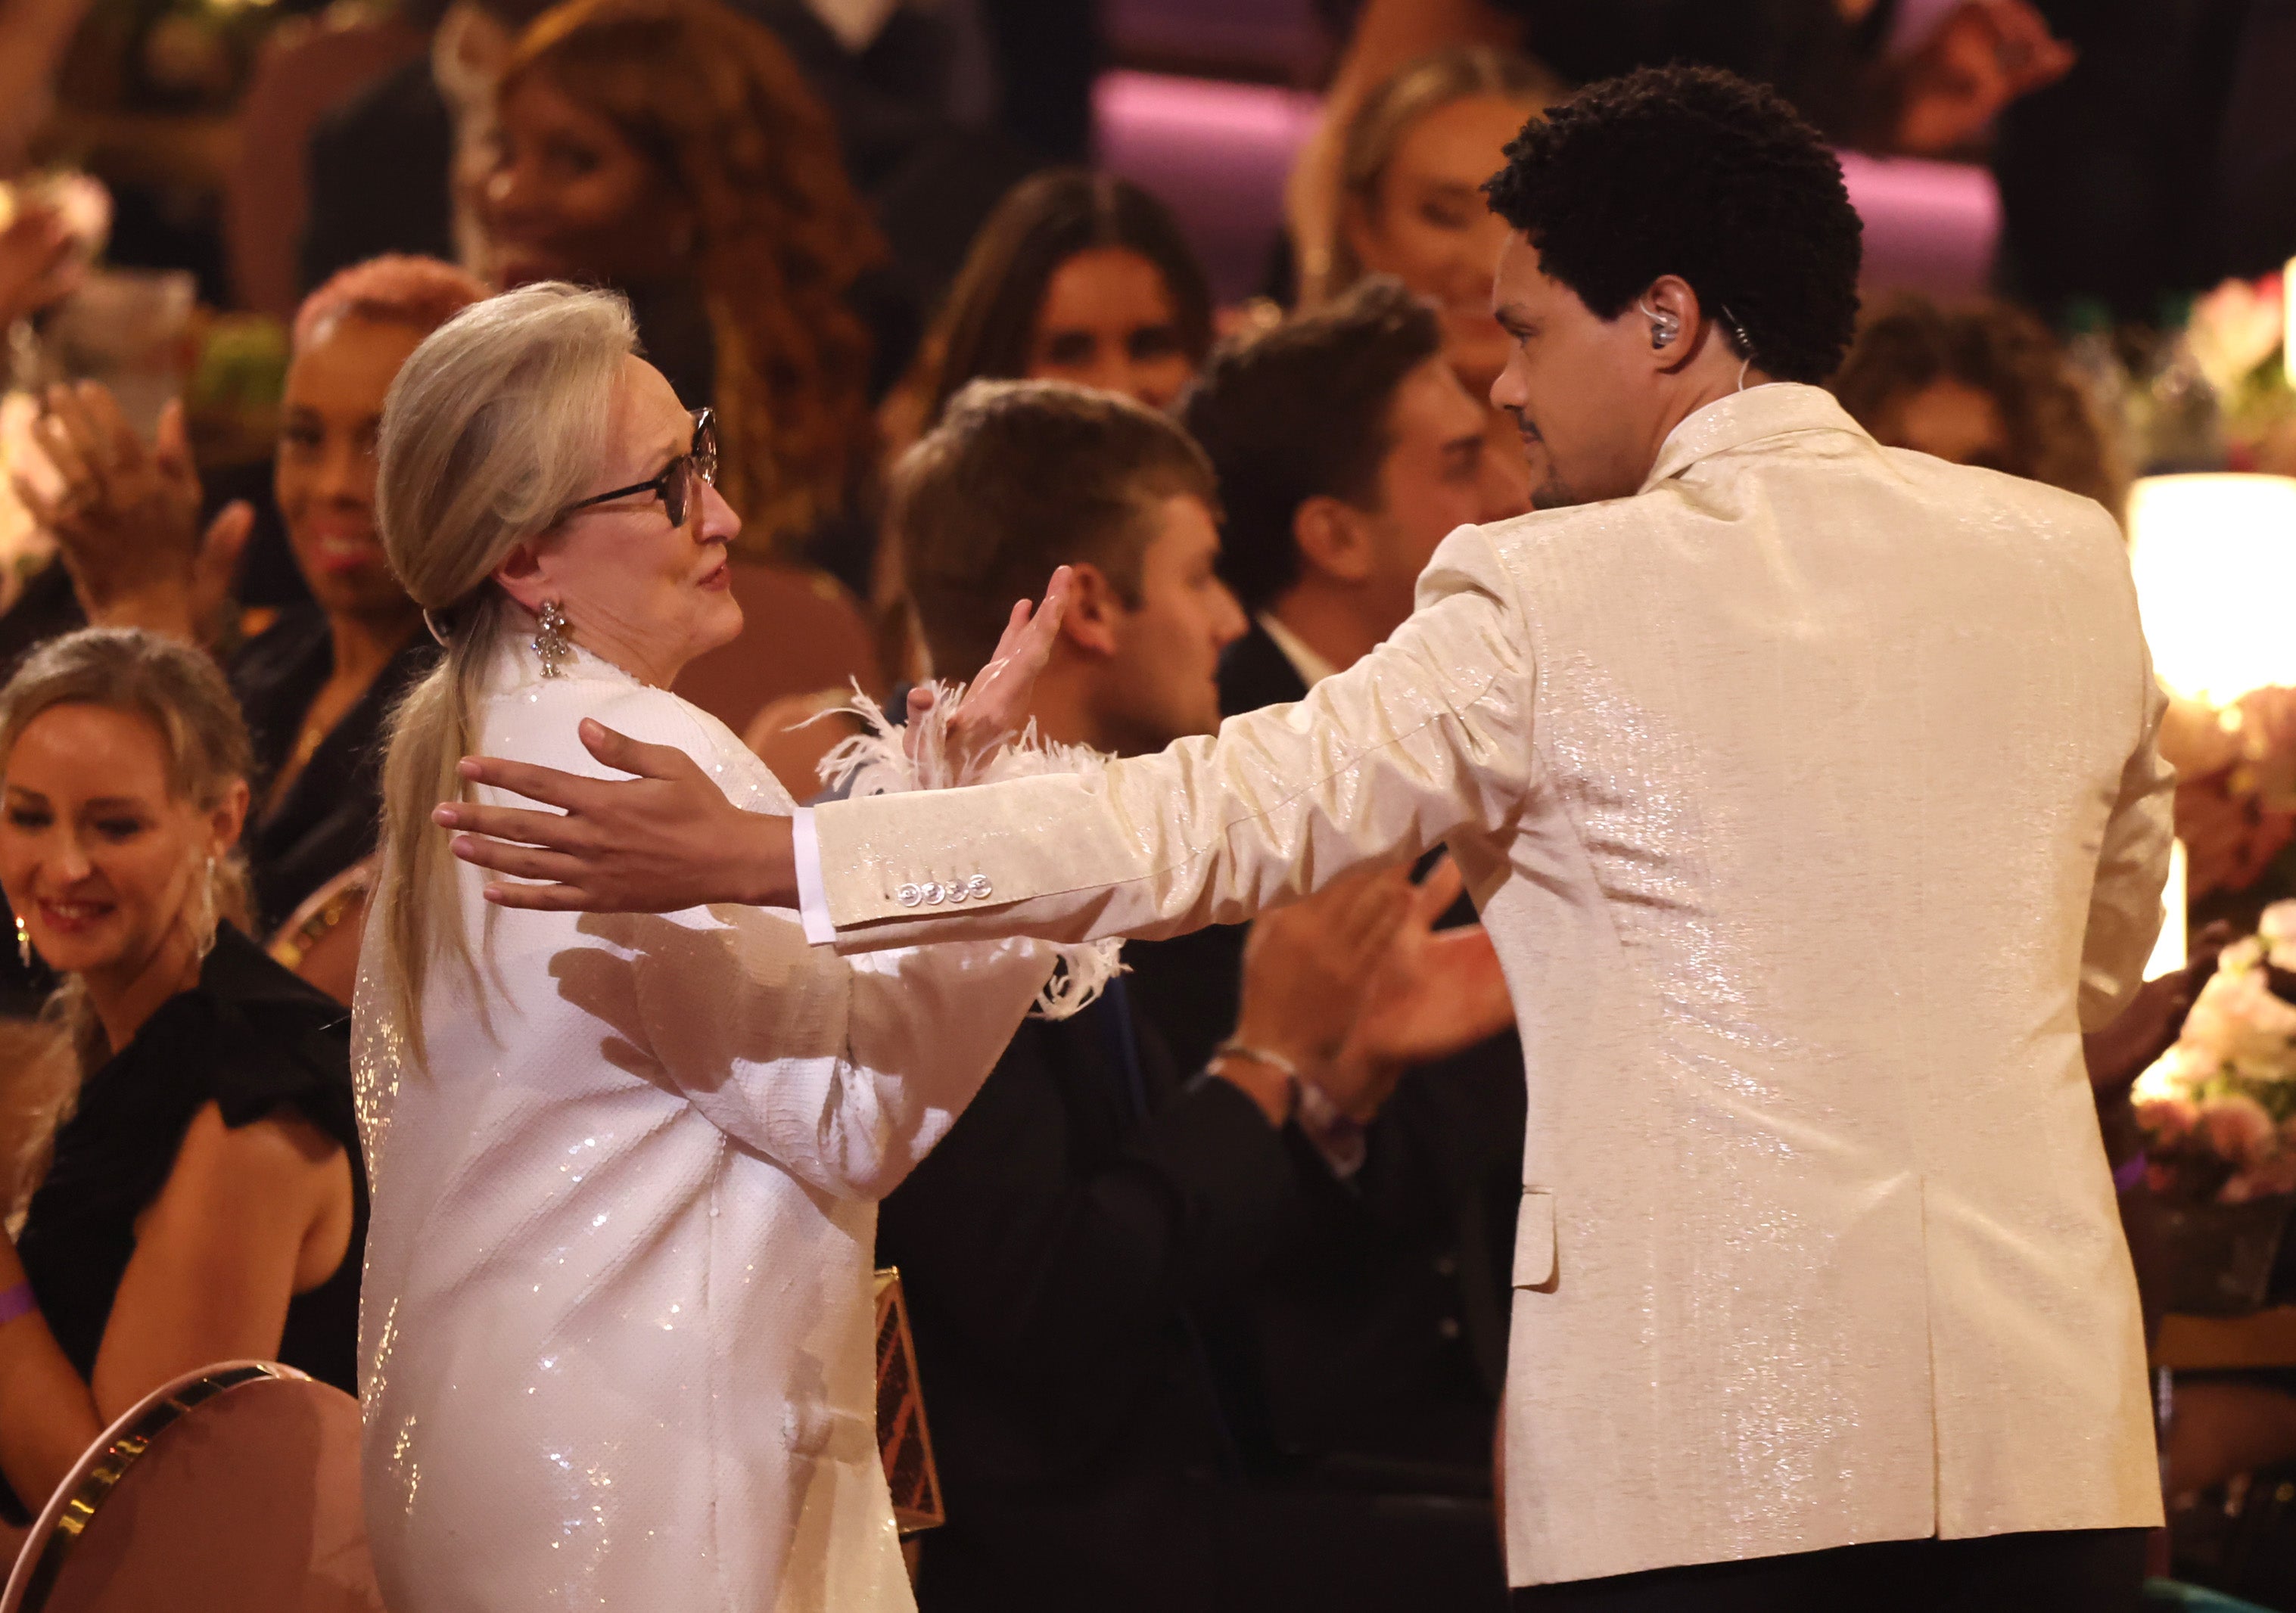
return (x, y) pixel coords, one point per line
(1428, 735)
(668, 838)
(661, 841)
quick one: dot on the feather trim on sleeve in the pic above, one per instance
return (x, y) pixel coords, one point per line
(877, 762)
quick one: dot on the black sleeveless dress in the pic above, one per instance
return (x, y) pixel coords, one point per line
(251, 1039)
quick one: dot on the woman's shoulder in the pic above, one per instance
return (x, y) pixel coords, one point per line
(259, 1038)
(537, 720)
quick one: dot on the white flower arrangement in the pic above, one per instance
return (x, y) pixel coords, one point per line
(2218, 1109)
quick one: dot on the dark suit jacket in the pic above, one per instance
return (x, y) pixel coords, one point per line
(1061, 1250)
(1381, 1342)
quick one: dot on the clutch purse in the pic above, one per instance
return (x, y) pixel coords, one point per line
(903, 1444)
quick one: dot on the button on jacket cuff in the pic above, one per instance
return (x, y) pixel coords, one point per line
(812, 903)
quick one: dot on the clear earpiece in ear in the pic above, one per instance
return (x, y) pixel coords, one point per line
(1664, 327)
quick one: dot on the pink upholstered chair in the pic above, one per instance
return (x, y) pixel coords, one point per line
(234, 1487)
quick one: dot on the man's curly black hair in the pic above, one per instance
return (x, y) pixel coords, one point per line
(1691, 171)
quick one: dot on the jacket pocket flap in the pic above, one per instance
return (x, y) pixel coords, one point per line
(1534, 1238)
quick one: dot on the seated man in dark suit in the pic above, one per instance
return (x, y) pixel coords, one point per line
(1077, 1250)
(1347, 450)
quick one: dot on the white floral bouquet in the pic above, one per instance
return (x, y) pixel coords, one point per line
(2235, 336)
(2218, 1109)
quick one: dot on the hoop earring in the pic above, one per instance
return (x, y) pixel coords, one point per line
(23, 942)
(555, 642)
(1664, 327)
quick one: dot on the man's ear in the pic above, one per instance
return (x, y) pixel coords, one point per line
(521, 575)
(1094, 621)
(1333, 539)
(1670, 309)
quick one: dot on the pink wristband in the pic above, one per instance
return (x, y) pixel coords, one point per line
(17, 1301)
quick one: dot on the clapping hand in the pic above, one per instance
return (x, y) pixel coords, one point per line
(126, 518)
(1356, 985)
(1438, 992)
(1986, 54)
(1306, 966)
(39, 262)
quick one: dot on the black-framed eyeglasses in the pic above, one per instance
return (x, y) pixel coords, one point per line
(675, 484)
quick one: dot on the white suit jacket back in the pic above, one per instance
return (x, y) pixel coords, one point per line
(1810, 798)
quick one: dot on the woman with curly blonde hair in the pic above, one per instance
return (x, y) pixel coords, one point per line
(669, 149)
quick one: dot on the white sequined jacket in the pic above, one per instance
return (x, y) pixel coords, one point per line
(1810, 797)
(617, 1342)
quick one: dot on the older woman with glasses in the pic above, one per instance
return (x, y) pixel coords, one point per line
(617, 1342)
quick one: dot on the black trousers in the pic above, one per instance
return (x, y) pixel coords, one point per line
(2063, 1571)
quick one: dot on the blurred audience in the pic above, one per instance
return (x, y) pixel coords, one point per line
(1984, 384)
(34, 35)
(2163, 162)
(199, 1192)
(1849, 66)
(939, 110)
(1347, 451)
(1076, 1249)
(1412, 160)
(316, 685)
(396, 168)
(670, 150)
(1077, 276)
(39, 262)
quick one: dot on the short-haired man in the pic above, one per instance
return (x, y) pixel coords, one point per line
(1073, 1248)
(1347, 451)
(1821, 1298)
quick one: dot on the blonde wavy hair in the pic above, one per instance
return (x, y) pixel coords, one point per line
(715, 101)
(204, 751)
(492, 426)
(1415, 92)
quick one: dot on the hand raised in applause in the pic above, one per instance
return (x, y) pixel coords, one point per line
(1304, 967)
(39, 263)
(1438, 992)
(126, 518)
(1358, 980)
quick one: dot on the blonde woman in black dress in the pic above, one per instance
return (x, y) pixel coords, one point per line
(204, 1201)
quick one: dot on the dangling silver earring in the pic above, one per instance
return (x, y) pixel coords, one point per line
(23, 942)
(203, 929)
(552, 643)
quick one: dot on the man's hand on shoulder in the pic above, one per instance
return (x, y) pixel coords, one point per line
(663, 841)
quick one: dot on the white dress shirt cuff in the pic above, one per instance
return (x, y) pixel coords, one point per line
(1338, 1138)
(812, 899)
